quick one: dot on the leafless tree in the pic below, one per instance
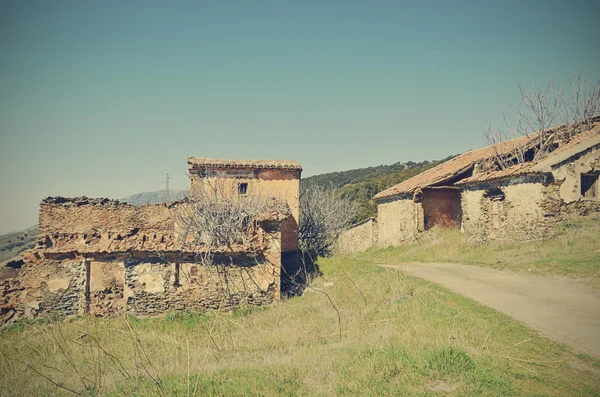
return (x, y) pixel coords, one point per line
(536, 116)
(220, 221)
(538, 110)
(324, 214)
(584, 103)
(505, 150)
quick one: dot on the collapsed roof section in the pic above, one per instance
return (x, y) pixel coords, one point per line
(579, 144)
(460, 170)
(454, 168)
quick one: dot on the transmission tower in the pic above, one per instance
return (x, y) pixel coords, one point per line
(167, 191)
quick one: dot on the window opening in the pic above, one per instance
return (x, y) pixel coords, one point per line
(589, 185)
(242, 188)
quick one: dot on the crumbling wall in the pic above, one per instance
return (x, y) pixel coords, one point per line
(357, 238)
(106, 258)
(101, 225)
(55, 287)
(509, 210)
(155, 288)
(140, 287)
(283, 184)
(569, 174)
(399, 221)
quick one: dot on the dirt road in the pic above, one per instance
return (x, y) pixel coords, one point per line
(562, 309)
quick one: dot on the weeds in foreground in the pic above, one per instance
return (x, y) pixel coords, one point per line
(389, 335)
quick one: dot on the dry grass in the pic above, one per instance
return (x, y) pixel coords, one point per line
(399, 336)
(573, 252)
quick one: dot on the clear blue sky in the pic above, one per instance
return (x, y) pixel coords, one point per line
(101, 98)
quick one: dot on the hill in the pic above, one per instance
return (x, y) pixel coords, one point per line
(12, 244)
(363, 183)
(155, 197)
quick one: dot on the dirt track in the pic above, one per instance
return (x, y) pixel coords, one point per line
(562, 309)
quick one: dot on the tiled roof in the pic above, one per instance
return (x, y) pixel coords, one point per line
(452, 168)
(196, 162)
(576, 145)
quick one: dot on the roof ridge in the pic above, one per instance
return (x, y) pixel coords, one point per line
(195, 162)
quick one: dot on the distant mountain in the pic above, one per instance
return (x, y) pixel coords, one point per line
(156, 197)
(362, 184)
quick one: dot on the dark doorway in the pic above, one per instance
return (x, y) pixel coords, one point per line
(441, 207)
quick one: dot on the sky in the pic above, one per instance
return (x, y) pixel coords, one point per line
(102, 98)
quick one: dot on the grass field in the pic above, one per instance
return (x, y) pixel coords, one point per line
(574, 252)
(360, 330)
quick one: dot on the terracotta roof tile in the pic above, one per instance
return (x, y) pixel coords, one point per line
(451, 168)
(576, 145)
(196, 162)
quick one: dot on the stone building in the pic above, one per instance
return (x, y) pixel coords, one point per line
(430, 198)
(271, 178)
(523, 201)
(527, 200)
(105, 258)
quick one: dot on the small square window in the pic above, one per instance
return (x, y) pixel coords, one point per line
(242, 188)
(589, 185)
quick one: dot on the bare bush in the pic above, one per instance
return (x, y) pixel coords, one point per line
(219, 221)
(324, 214)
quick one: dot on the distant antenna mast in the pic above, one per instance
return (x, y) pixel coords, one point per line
(167, 191)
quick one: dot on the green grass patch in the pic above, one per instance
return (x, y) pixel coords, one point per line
(395, 335)
(574, 251)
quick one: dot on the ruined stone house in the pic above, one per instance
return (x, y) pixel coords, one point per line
(104, 257)
(527, 200)
(270, 178)
(520, 202)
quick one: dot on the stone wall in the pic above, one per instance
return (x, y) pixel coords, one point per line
(399, 221)
(56, 286)
(357, 238)
(106, 258)
(278, 183)
(569, 174)
(133, 286)
(509, 210)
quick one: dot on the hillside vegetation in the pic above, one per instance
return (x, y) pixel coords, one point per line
(12, 244)
(363, 183)
(358, 330)
(155, 197)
